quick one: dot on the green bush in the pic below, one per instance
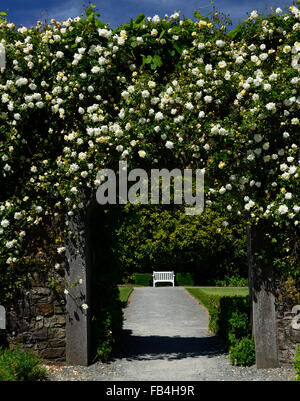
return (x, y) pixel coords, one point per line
(229, 315)
(242, 352)
(106, 339)
(238, 326)
(17, 365)
(231, 281)
(144, 279)
(107, 317)
(184, 279)
(229, 318)
(297, 363)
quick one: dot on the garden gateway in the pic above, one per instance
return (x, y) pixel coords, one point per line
(156, 100)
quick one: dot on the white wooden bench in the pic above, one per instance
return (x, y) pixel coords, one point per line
(163, 277)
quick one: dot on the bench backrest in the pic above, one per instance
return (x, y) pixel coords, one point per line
(163, 275)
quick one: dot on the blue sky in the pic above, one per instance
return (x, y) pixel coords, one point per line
(117, 12)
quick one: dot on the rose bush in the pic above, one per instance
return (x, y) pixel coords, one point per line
(77, 96)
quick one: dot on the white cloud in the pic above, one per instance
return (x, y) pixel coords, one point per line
(70, 9)
(61, 12)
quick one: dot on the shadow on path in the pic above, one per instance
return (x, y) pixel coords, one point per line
(133, 347)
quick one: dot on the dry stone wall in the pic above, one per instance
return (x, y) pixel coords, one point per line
(288, 323)
(37, 319)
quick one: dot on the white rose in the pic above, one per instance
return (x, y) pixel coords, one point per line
(4, 223)
(142, 153)
(169, 145)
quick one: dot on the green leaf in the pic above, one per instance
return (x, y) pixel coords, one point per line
(3, 13)
(178, 48)
(91, 17)
(176, 30)
(99, 24)
(82, 21)
(89, 11)
(139, 20)
(161, 34)
(235, 32)
(197, 15)
(146, 60)
(157, 60)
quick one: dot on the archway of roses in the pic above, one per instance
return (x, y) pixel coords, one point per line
(77, 96)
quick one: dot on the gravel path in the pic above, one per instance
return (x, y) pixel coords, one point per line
(165, 337)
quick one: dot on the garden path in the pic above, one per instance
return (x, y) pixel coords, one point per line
(165, 337)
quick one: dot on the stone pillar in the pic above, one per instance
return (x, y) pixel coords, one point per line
(262, 292)
(78, 319)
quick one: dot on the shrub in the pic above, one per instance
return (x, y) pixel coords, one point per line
(144, 279)
(232, 317)
(231, 281)
(107, 324)
(17, 365)
(229, 318)
(106, 339)
(242, 352)
(184, 279)
(297, 363)
(238, 326)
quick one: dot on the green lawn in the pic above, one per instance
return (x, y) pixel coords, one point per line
(125, 291)
(203, 294)
(230, 291)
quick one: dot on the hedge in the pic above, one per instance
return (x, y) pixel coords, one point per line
(143, 279)
(229, 318)
(184, 279)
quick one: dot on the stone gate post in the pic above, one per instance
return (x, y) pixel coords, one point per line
(78, 318)
(262, 293)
